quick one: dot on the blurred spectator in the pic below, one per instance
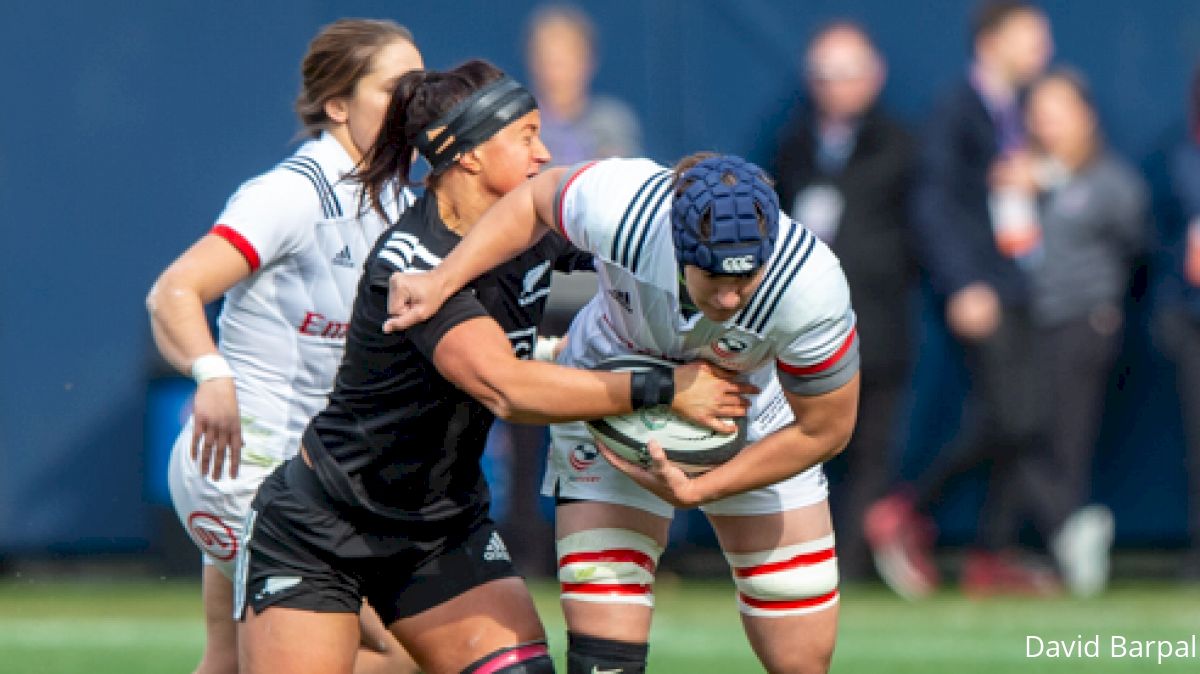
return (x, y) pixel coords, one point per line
(1092, 212)
(577, 125)
(844, 169)
(973, 238)
(1185, 315)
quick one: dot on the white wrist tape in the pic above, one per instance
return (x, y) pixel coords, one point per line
(544, 349)
(211, 366)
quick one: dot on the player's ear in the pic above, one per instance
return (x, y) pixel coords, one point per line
(471, 161)
(337, 109)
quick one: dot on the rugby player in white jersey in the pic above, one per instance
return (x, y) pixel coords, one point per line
(697, 263)
(286, 253)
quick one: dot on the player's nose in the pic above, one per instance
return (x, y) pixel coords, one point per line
(541, 153)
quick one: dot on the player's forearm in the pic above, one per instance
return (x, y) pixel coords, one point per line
(179, 325)
(531, 392)
(511, 226)
(774, 458)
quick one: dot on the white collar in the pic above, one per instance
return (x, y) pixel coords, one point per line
(329, 153)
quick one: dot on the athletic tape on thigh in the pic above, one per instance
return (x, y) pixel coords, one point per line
(614, 566)
(791, 580)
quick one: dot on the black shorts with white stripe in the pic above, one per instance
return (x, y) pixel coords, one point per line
(304, 552)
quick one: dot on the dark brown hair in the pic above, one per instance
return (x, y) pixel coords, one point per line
(337, 58)
(421, 97)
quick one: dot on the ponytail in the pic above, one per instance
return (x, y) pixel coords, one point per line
(420, 98)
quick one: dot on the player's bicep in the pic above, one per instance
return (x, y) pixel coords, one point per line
(209, 268)
(830, 415)
(472, 354)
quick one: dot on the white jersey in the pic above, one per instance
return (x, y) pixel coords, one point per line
(283, 328)
(797, 331)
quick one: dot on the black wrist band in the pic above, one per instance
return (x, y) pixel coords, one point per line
(648, 388)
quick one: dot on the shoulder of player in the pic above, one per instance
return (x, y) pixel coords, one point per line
(604, 176)
(408, 245)
(803, 284)
(633, 195)
(316, 169)
(288, 187)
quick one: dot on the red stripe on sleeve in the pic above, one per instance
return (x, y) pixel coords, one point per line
(783, 605)
(621, 555)
(806, 559)
(562, 197)
(823, 365)
(238, 241)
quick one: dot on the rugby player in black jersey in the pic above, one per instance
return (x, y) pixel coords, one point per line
(387, 500)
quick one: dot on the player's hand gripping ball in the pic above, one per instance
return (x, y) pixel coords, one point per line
(694, 449)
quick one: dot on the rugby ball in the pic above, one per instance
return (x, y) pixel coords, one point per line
(695, 449)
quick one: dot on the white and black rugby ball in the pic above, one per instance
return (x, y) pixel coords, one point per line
(695, 449)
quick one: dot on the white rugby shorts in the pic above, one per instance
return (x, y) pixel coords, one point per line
(213, 512)
(577, 469)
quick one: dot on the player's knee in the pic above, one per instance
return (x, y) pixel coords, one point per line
(586, 655)
(792, 580)
(529, 658)
(802, 663)
(614, 566)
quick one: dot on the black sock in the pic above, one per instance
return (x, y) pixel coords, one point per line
(585, 654)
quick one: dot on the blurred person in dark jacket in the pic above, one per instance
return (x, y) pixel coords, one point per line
(975, 239)
(844, 171)
(1091, 210)
(1183, 310)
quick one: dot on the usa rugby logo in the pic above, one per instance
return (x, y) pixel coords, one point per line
(583, 456)
(213, 536)
(728, 347)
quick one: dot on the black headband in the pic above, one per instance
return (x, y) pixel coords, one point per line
(474, 120)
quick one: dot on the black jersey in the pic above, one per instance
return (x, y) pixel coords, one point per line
(397, 438)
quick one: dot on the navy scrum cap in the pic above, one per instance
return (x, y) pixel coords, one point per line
(733, 192)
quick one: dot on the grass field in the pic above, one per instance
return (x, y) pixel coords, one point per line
(136, 627)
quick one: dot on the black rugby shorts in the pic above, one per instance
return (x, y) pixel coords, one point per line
(307, 554)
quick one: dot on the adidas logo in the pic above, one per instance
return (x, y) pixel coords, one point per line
(495, 550)
(343, 259)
